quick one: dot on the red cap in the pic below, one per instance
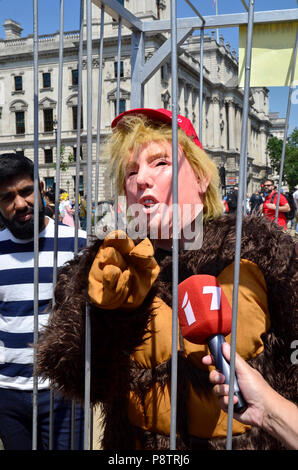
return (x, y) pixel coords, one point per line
(163, 115)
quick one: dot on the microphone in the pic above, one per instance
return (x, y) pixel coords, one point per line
(205, 316)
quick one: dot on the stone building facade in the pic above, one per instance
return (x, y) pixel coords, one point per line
(222, 99)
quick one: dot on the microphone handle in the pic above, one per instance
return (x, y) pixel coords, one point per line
(214, 344)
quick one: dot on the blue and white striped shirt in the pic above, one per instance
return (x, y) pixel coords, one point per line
(17, 296)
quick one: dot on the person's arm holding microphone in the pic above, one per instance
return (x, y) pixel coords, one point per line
(265, 407)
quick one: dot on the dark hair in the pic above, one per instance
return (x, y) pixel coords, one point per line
(12, 164)
(271, 181)
(50, 195)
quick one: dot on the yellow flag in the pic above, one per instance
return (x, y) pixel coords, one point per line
(272, 54)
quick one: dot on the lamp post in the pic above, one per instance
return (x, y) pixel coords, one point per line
(55, 125)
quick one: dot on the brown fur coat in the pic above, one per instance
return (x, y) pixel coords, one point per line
(115, 335)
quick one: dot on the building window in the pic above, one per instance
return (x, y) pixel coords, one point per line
(122, 106)
(0, 112)
(116, 69)
(75, 117)
(18, 83)
(46, 80)
(75, 153)
(48, 120)
(20, 122)
(49, 183)
(81, 184)
(74, 77)
(48, 155)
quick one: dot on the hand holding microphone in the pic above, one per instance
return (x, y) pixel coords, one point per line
(205, 316)
(254, 388)
(266, 408)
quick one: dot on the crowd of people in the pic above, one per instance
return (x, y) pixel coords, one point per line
(66, 208)
(262, 202)
(126, 279)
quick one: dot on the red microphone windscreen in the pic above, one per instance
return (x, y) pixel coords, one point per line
(203, 309)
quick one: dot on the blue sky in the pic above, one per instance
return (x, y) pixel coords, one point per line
(21, 11)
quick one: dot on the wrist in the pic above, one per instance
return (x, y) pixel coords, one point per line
(275, 414)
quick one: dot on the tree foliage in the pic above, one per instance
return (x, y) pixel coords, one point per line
(69, 159)
(290, 171)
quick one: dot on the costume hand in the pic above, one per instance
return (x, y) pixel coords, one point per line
(271, 206)
(122, 274)
(255, 390)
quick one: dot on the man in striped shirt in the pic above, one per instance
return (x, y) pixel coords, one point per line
(17, 310)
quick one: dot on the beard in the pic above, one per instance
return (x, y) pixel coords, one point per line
(24, 230)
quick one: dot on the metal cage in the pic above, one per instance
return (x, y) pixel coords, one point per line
(179, 30)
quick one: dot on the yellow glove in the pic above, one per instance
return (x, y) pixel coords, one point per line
(122, 274)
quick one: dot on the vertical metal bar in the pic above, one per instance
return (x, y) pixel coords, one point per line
(283, 152)
(217, 30)
(201, 67)
(201, 84)
(51, 425)
(99, 112)
(77, 183)
(58, 148)
(118, 110)
(57, 189)
(78, 141)
(118, 66)
(89, 116)
(36, 225)
(243, 197)
(243, 151)
(174, 359)
(73, 426)
(137, 63)
(91, 429)
(89, 214)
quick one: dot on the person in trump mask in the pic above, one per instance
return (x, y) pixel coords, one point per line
(125, 276)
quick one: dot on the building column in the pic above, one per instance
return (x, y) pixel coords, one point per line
(223, 125)
(194, 109)
(204, 122)
(263, 146)
(238, 126)
(209, 122)
(259, 156)
(181, 97)
(249, 136)
(216, 128)
(187, 102)
(232, 127)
